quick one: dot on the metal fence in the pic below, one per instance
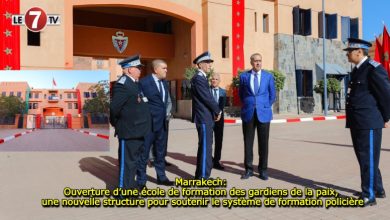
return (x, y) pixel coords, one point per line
(7, 120)
(99, 119)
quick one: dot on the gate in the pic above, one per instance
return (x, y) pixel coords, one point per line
(55, 122)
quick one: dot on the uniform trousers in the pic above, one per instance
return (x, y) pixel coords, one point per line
(367, 147)
(204, 160)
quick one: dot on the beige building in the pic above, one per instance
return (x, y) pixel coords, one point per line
(285, 32)
(50, 102)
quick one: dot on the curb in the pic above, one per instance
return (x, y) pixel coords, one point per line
(92, 134)
(288, 120)
(3, 140)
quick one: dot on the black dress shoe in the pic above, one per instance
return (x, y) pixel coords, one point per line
(167, 164)
(368, 202)
(141, 187)
(150, 163)
(263, 175)
(380, 195)
(165, 182)
(218, 166)
(247, 175)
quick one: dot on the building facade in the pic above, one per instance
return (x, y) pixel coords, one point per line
(50, 103)
(97, 34)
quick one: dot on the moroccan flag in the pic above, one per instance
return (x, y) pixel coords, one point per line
(238, 15)
(9, 36)
(54, 82)
(386, 50)
(378, 51)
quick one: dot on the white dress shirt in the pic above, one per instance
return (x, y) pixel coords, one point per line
(252, 79)
(156, 80)
(361, 62)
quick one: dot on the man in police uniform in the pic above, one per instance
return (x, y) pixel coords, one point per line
(204, 111)
(129, 114)
(368, 111)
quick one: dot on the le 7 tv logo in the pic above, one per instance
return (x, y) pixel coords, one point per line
(36, 19)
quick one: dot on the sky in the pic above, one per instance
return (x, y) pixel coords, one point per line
(375, 12)
(65, 79)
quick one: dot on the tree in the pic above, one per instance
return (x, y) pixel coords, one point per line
(186, 85)
(278, 77)
(100, 103)
(332, 86)
(11, 105)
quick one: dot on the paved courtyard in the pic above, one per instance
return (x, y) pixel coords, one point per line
(54, 140)
(306, 154)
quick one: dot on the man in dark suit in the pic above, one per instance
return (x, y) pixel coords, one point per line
(257, 94)
(367, 111)
(155, 88)
(167, 119)
(219, 96)
(129, 114)
(204, 111)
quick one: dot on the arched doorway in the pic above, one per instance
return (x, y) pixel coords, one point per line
(155, 29)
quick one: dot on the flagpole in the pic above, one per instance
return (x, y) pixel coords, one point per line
(324, 60)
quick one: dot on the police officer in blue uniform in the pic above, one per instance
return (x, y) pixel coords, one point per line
(205, 111)
(367, 111)
(130, 115)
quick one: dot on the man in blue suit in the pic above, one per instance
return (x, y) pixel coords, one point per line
(155, 89)
(204, 111)
(257, 94)
(219, 95)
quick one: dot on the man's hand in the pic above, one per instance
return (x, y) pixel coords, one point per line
(217, 118)
(168, 117)
(387, 124)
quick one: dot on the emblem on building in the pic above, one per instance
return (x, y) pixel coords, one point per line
(119, 41)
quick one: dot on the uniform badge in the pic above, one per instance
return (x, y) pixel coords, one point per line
(374, 63)
(120, 41)
(122, 80)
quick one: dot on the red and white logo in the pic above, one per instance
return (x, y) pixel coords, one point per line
(35, 19)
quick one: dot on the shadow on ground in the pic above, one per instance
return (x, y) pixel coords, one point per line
(238, 169)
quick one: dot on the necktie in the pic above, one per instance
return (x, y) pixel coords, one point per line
(256, 83)
(215, 95)
(160, 88)
(140, 94)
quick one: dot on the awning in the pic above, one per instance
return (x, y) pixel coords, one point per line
(332, 69)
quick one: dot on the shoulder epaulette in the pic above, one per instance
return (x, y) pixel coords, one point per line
(374, 63)
(122, 80)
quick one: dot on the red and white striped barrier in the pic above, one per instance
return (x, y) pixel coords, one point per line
(288, 120)
(93, 134)
(3, 140)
